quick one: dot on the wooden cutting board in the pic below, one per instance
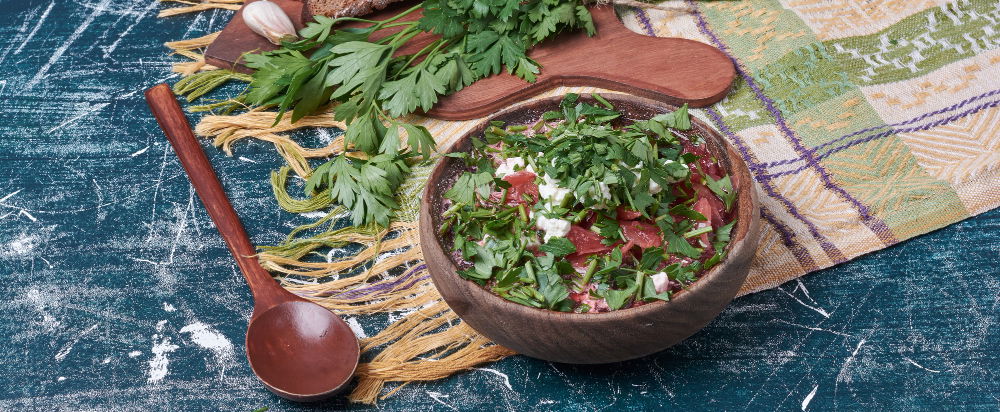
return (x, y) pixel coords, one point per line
(671, 70)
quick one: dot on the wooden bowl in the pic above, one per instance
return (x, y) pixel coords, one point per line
(592, 337)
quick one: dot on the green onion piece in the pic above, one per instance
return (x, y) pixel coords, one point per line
(530, 268)
(697, 232)
(445, 226)
(453, 209)
(591, 269)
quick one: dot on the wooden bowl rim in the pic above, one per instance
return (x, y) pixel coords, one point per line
(746, 198)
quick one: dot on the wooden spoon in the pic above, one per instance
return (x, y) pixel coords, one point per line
(298, 349)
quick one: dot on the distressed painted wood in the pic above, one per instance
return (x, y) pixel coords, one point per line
(116, 292)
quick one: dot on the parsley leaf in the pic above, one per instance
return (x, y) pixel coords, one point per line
(363, 187)
(468, 185)
(723, 188)
(558, 246)
(678, 245)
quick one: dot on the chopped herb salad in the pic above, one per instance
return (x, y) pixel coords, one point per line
(583, 211)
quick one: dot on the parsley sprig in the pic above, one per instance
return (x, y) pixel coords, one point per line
(373, 85)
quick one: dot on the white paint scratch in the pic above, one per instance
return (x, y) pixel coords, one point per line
(506, 379)
(844, 376)
(356, 327)
(809, 398)
(246, 159)
(38, 25)
(159, 365)
(914, 363)
(818, 310)
(168, 307)
(209, 338)
(10, 195)
(813, 328)
(139, 152)
(24, 245)
(805, 291)
(89, 111)
(134, 354)
(110, 49)
(316, 214)
(43, 71)
(436, 396)
(68, 347)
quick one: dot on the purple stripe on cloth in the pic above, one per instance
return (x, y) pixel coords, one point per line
(377, 288)
(831, 250)
(382, 287)
(924, 116)
(875, 224)
(891, 132)
(644, 19)
(788, 238)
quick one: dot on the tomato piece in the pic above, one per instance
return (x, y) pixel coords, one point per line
(521, 183)
(579, 297)
(577, 260)
(709, 167)
(709, 205)
(586, 242)
(589, 220)
(625, 213)
(643, 234)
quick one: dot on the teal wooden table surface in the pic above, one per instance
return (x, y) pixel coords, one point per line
(116, 293)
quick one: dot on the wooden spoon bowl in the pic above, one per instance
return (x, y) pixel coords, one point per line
(301, 350)
(591, 337)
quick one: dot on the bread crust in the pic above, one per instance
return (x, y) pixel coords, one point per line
(340, 8)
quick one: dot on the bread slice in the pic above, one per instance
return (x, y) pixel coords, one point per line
(339, 8)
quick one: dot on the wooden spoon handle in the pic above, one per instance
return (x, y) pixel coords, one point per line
(171, 118)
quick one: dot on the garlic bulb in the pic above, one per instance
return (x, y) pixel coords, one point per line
(269, 20)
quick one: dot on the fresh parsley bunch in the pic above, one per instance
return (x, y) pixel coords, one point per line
(373, 85)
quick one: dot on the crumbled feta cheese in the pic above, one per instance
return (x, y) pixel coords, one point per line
(661, 282)
(654, 188)
(511, 165)
(552, 227)
(674, 180)
(668, 161)
(550, 190)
